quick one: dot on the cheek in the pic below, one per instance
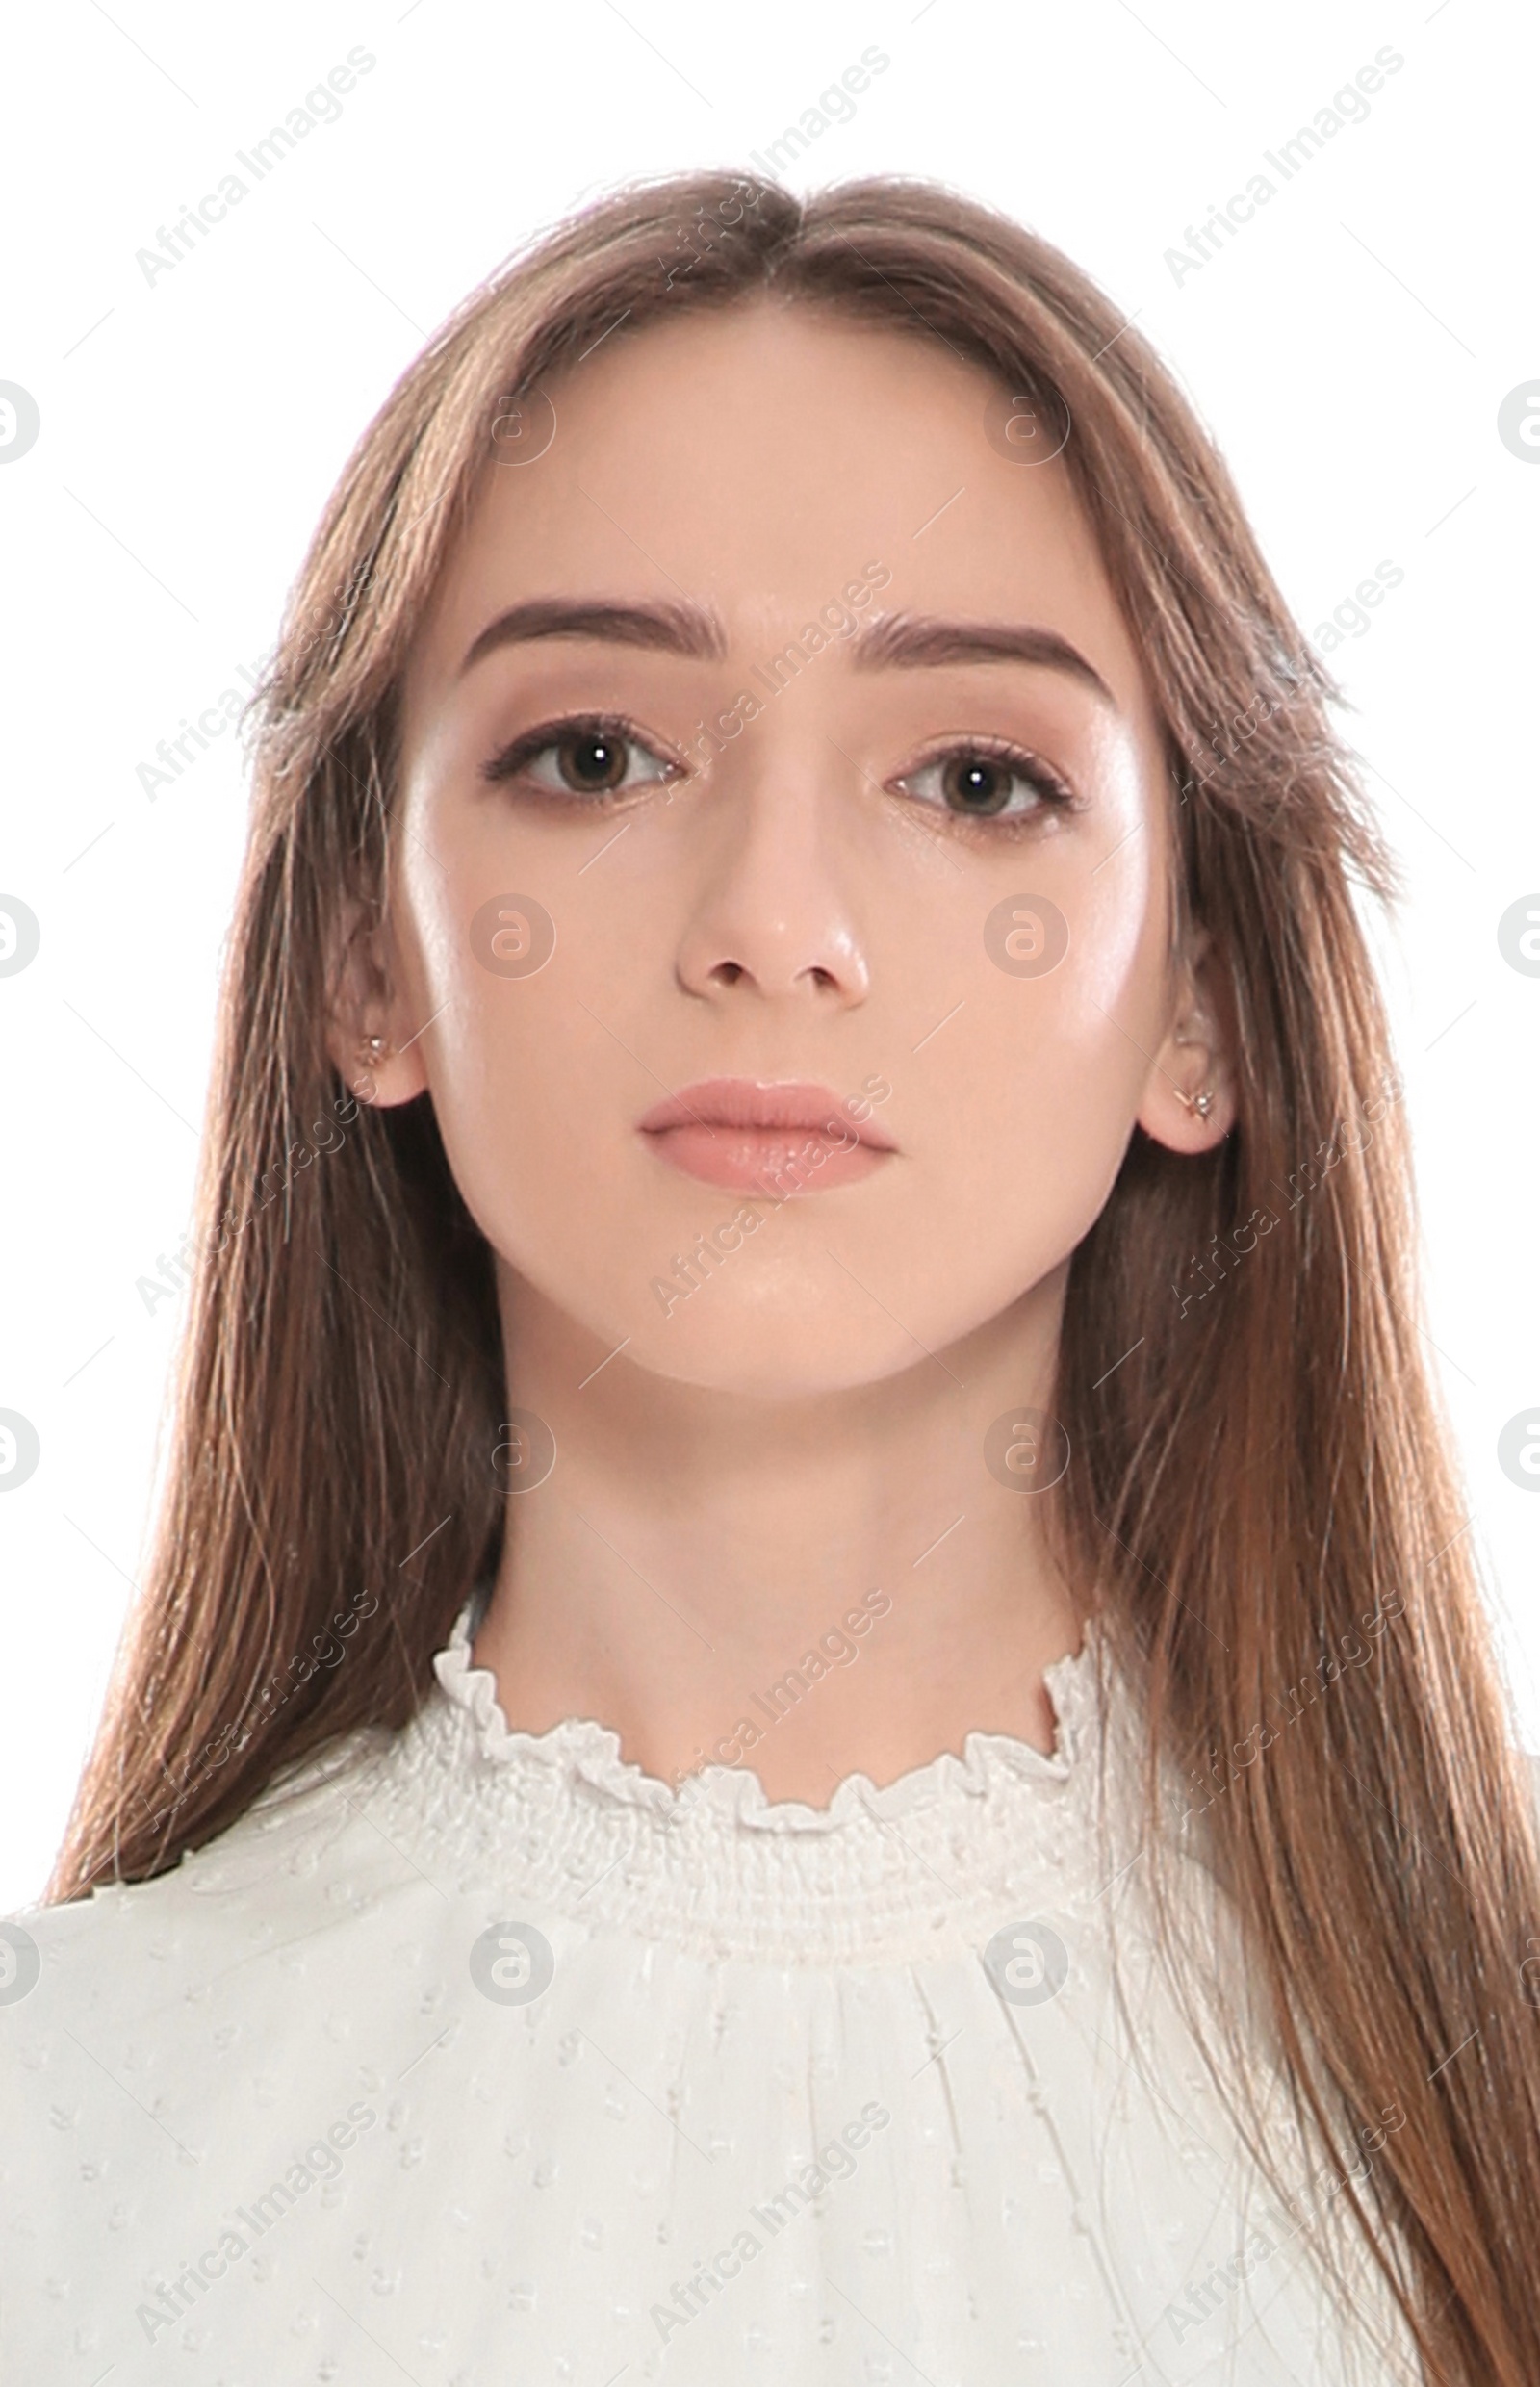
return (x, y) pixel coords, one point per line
(1039, 1073)
(522, 974)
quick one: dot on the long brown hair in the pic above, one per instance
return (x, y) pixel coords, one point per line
(1261, 1487)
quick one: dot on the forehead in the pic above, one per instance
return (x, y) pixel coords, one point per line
(755, 459)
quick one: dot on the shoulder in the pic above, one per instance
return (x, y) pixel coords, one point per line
(115, 1951)
(172, 2040)
(158, 2013)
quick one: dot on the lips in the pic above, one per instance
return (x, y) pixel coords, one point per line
(781, 1139)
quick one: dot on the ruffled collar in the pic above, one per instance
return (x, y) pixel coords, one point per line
(580, 1749)
(557, 1824)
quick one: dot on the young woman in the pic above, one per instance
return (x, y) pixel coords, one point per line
(811, 1704)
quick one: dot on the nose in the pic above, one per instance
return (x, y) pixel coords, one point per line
(776, 908)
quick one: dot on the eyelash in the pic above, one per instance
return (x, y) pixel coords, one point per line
(511, 760)
(1055, 794)
(1053, 791)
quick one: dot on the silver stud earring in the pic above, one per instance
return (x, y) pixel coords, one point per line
(1201, 1102)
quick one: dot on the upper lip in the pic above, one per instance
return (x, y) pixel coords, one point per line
(753, 1102)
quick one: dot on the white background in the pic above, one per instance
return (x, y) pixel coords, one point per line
(1350, 347)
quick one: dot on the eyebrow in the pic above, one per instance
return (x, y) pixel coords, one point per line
(892, 640)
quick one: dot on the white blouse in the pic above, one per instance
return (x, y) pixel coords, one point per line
(488, 2060)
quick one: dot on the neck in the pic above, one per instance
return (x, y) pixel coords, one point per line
(813, 1585)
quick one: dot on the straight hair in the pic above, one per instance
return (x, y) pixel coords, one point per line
(1260, 1485)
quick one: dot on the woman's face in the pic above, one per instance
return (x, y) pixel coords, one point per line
(775, 728)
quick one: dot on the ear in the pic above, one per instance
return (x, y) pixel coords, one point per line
(365, 1003)
(1194, 1055)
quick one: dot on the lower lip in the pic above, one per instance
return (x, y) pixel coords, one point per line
(779, 1162)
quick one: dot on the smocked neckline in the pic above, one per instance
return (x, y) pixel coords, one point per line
(581, 1749)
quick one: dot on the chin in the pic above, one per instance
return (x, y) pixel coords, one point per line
(791, 1356)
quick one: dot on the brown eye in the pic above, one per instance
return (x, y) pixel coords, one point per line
(583, 756)
(975, 783)
(590, 760)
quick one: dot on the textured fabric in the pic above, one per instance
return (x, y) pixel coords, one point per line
(484, 2057)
